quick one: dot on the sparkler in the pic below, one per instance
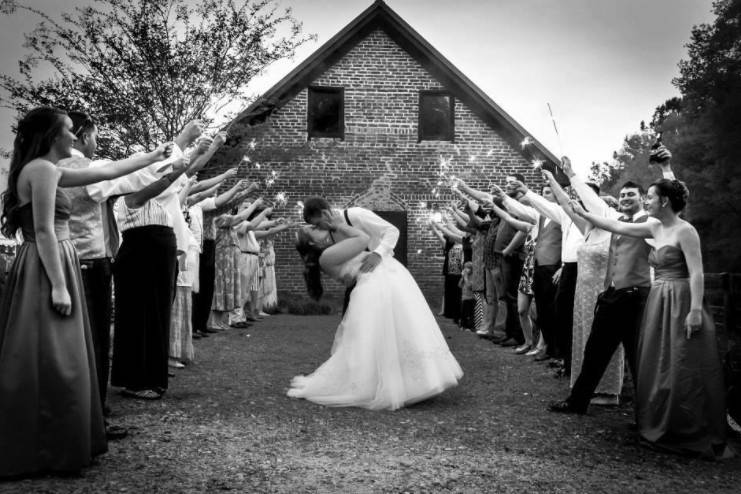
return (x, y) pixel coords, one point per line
(555, 128)
(281, 199)
(526, 142)
(537, 164)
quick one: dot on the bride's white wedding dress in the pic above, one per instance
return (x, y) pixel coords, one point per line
(388, 351)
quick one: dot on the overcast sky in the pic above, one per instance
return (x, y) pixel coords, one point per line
(603, 65)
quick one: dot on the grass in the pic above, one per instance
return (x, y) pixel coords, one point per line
(226, 425)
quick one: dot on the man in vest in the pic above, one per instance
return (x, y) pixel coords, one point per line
(619, 309)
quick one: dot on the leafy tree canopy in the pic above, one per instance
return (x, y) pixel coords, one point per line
(144, 68)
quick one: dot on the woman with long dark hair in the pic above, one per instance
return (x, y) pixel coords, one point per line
(388, 351)
(680, 398)
(50, 411)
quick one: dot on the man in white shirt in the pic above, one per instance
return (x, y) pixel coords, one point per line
(383, 235)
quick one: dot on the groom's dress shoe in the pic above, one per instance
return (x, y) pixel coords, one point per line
(565, 406)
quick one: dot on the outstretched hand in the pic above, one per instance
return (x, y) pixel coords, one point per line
(577, 208)
(519, 187)
(497, 192)
(568, 170)
(162, 152)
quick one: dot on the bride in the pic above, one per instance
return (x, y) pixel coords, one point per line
(388, 351)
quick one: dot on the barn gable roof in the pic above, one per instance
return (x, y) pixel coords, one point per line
(381, 16)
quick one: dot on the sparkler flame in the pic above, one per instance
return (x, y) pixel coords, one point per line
(526, 142)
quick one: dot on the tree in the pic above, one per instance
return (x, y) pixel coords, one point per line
(144, 68)
(702, 129)
(705, 128)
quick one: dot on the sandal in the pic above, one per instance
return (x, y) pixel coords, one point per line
(144, 394)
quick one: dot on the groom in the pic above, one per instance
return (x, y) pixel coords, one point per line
(383, 235)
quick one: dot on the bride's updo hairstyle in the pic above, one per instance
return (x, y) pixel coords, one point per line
(310, 253)
(675, 191)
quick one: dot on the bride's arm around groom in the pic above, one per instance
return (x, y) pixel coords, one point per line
(383, 235)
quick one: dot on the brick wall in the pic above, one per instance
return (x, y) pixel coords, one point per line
(379, 164)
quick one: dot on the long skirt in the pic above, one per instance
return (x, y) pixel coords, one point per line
(680, 397)
(50, 411)
(249, 267)
(181, 329)
(228, 285)
(269, 290)
(144, 277)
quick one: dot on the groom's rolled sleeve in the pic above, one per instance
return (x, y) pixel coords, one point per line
(369, 221)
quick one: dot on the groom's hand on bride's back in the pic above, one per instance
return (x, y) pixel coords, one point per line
(370, 262)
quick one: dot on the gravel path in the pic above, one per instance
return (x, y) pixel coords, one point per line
(226, 425)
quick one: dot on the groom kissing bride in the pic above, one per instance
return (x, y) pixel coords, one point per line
(388, 350)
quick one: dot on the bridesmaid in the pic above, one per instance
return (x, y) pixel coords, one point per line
(680, 397)
(49, 405)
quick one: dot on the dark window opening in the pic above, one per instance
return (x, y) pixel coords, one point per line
(436, 116)
(326, 112)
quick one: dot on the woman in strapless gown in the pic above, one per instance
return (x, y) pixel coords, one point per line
(680, 397)
(388, 351)
(50, 412)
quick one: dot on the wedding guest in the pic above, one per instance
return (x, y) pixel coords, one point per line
(492, 277)
(508, 248)
(565, 277)
(144, 280)
(51, 411)
(249, 262)
(203, 299)
(452, 268)
(592, 257)
(95, 235)
(680, 396)
(476, 229)
(268, 296)
(228, 283)
(181, 350)
(510, 266)
(525, 288)
(468, 302)
(619, 308)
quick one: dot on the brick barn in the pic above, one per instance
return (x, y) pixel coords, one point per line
(365, 121)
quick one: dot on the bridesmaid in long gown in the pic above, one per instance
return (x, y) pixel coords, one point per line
(50, 413)
(680, 397)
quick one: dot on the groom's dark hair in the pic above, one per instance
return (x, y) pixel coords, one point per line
(314, 206)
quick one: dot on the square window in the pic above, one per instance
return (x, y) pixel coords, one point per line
(326, 112)
(436, 116)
